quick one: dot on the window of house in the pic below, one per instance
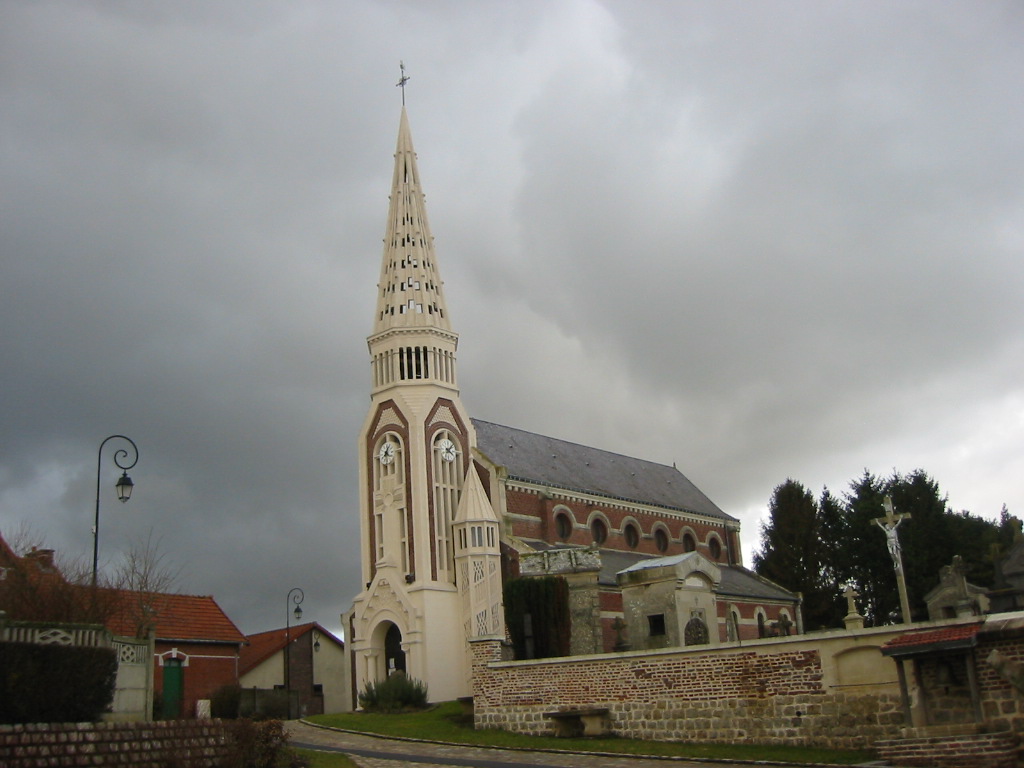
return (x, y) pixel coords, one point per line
(563, 526)
(599, 530)
(656, 624)
(632, 536)
(661, 539)
(689, 543)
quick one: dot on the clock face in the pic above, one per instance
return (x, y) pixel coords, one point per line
(386, 453)
(447, 448)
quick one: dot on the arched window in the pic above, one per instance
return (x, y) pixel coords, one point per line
(689, 542)
(563, 525)
(632, 535)
(389, 518)
(599, 530)
(714, 548)
(695, 632)
(446, 456)
(661, 539)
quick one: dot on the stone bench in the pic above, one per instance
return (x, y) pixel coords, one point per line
(580, 722)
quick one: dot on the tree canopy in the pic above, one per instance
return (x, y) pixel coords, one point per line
(821, 546)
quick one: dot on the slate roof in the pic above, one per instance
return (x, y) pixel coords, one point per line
(263, 645)
(195, 618)
(554, 463)
(737, 581)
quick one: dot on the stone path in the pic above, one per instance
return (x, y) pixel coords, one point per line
(377, 752)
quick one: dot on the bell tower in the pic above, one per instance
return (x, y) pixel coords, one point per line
(415, 453)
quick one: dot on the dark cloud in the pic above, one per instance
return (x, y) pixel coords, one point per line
(760, 241)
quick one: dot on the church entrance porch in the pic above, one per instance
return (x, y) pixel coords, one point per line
(394, 656)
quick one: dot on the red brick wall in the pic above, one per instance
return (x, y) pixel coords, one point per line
(209, 666)
(199, 743)
(542, 526)
(980, 750)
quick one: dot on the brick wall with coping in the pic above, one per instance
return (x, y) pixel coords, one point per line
(199, 743)
(765, 697)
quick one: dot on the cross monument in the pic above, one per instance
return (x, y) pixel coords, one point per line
(889, 524)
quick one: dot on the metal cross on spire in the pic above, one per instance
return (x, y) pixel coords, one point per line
(402, 80)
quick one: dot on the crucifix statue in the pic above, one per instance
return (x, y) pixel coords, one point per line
(889, 524)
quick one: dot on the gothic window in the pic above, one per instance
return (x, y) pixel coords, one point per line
(762, 630)
(563, 526)
(599, 530)
(632, 535)
(661, 539)
(446, 458)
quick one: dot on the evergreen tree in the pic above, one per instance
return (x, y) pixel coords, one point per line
(820, 548)
(792, 552)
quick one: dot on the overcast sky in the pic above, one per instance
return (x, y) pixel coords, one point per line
(760, 240)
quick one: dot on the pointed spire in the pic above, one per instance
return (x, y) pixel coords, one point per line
(474, 506)
(409, 291)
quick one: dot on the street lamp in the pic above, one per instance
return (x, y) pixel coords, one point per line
(123, 487)
(295, 595)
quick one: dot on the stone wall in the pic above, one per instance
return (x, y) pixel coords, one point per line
(199, 743)
(764, 695)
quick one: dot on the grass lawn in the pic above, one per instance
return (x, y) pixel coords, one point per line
(445, 722)
(325, 759)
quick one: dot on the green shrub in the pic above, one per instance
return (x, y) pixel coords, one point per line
(398, 693)
(262, 744)
(225, 701)
(55, 683)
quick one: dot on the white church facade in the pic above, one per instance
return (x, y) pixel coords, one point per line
(450, 506)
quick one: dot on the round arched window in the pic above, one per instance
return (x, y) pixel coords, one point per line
(661, 539)
(599, 530)
(715, 548)
(632, 535)
(563, 526)
(689, 543)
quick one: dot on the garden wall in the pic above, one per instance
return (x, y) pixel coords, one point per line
(199, 743)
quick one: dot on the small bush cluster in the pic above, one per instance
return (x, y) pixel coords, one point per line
(55, 683)
(397, 693)
(225, 701)
(260, 744)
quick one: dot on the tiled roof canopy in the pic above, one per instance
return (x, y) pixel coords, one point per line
(176, 617)
(547, 461)
(936, 640)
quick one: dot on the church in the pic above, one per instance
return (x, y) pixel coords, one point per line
(451, 506)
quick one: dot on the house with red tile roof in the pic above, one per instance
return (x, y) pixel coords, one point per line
(197, 647)
(317, 675)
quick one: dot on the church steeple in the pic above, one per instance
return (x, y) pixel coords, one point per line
(412, 337)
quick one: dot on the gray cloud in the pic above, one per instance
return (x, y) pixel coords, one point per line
(760, 241)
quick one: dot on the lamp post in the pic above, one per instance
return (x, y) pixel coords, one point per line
(123, 486)
(295, 595)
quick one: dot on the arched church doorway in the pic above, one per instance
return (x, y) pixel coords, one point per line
(394, 656)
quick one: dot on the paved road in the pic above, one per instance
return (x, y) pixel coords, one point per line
(375, 752)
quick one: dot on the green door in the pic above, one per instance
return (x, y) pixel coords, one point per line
(174, 686)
